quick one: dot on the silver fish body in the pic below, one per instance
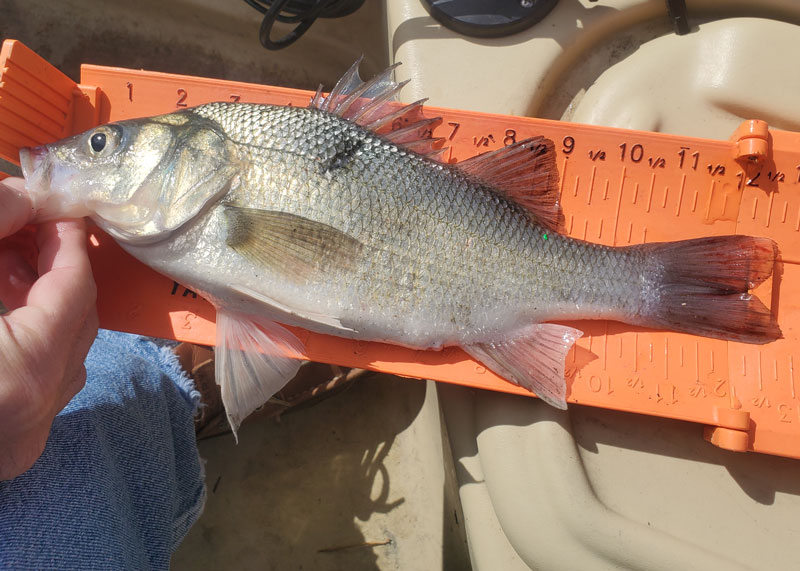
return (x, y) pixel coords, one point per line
(308, 217)
(443, 260)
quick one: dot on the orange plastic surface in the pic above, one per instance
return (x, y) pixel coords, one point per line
(618, 187)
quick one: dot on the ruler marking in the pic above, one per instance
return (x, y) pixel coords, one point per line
(636, 352)
(666, 194)
(618, 207)
(600, 229)
(630, 232)
(694, 201)
(681, 356)
(605, 190)
(571, 223)
(755, 207)
(577, 184)
(585, 228)
(697, 361)
(760, 379)
(650, 193)
(605, 346)
(666, 358)
(711, 356)
(769, 207)
(797, 223)
(635, 193)
(710, 198)
(620, 347)
(785, 210)
(791, 375)
(680, 194)
(744, 366)
(591, 185)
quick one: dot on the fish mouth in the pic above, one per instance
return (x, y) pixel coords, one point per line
(31, 161)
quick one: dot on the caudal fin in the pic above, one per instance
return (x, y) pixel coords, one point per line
(701, 287)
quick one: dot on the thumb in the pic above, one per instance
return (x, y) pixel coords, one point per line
(16, 209)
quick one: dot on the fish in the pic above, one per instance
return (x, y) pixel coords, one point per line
(342, 218)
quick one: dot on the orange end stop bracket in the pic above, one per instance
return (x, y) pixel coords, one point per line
(618, 187)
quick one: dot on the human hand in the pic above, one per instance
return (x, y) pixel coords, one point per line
(46, 333)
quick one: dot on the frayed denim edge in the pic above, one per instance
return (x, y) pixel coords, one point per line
(181, 378)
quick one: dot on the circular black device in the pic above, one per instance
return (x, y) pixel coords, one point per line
(488, 18)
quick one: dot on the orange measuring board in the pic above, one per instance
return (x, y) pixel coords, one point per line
(618, 187)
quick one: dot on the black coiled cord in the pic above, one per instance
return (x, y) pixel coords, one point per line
(300, 12)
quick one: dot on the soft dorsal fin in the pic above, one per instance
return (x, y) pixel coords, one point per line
(525, 173)
(372, 105)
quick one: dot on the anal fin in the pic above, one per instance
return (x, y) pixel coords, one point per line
(533, 359)
(255, 358)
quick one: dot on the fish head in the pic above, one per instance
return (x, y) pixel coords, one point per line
(140, 180)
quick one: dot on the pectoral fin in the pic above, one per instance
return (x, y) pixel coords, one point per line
(533, 359)
(290, 244)
(254, 360)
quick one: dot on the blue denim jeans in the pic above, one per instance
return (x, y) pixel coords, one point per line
(120, 481)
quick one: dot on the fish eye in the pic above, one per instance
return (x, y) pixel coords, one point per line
(98, 142)
(104, 140)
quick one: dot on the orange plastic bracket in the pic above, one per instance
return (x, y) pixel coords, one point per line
(618, 187)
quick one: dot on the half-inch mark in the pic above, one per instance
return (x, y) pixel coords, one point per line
(650, 195)
(755, 207)
(710, 199)
(769, 207)
(694, 201)
(591, 185)
(680, 195)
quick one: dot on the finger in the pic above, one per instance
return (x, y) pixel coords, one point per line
(75, 376)
(66, 288)
(16, 278)
(16, 209)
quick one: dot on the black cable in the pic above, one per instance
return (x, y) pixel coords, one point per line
(301, 12)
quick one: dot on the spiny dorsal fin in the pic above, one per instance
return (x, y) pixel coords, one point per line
(525, 173)
(371, 104)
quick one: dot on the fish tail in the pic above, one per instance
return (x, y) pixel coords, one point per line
(701, 287)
